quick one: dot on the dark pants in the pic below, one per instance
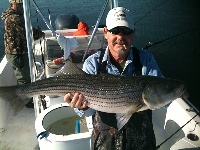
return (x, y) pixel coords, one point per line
(20, 65)
(137, 134)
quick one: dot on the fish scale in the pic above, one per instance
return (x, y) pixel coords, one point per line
(107, 93)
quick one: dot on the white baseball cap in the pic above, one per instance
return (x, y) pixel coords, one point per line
(15, 1)
(119, 16)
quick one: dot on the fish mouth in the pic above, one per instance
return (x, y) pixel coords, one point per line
(184, 95)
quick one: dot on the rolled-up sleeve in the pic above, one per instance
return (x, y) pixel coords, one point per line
(85, 113)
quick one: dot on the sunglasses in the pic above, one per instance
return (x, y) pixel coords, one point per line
(117, 30)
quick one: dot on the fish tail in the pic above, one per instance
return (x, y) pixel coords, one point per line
(14, 100)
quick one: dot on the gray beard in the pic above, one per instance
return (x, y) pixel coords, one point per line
(121, 51)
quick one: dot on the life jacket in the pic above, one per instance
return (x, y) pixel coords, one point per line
(137, 134)
(83, 29)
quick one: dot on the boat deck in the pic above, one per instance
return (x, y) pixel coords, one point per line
(22, 129)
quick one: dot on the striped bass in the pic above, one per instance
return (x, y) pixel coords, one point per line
(123, 95)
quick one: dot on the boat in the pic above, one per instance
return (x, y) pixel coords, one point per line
(53, 125)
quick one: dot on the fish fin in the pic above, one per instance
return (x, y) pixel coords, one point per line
(9, 94)
(19, 105)
(122, 119)
(69, 68)
(143, 108)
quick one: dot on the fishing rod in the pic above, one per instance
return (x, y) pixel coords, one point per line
(155, 43)
(150, 12)
(44, 19)
(150, 44)
(197, 114)
(95, 28)
(37, 20)
(49, 17)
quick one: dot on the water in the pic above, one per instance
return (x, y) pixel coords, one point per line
(178, 57)
(67, 125)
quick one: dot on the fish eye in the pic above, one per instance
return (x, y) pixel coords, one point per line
(171, 87)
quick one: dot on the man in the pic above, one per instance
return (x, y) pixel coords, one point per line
(119, 59)
(15, 41)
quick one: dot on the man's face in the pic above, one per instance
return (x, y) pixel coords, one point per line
(18, 7)
(119, 40)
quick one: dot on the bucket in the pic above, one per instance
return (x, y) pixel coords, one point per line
(53, 135)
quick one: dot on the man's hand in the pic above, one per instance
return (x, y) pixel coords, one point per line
(76, 101)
